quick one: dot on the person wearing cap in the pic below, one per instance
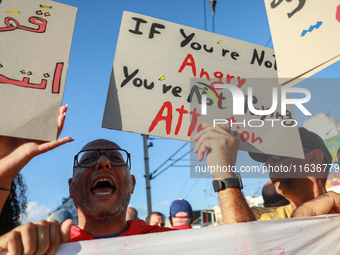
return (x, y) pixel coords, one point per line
(298, 188)
(181, 216)
(270, 196)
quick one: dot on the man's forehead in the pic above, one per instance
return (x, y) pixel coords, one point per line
(101, 144)
(155, 215)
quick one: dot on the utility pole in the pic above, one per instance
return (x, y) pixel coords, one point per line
(147, 174)
(213, 4)
(205, 16)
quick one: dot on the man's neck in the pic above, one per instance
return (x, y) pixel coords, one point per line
(318, 189)
(99, 227)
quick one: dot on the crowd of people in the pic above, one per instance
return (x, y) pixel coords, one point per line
(102, 185)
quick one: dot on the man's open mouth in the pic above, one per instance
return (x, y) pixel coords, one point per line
(103, 186)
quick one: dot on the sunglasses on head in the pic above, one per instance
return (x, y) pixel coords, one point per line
(277, 158)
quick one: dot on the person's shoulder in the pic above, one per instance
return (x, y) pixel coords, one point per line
(78, 234)
(280, 212)
(288, 209)
(261, 210)
(271, 209)
(137, 227)
(137, 221)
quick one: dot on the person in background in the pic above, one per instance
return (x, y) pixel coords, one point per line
(327, 203)
(181, 215)
(155, 218)
(131, 214)
(270, 196)
(298, 187)
(15, 205)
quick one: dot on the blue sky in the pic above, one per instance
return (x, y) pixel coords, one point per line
(91, 59)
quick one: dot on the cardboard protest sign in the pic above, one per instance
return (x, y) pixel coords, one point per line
(305, 37)
(274, 132)
(35, 43)
(150, 90)
(328, 129)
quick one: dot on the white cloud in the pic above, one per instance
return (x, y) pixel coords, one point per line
(35, 212)
(166, 202)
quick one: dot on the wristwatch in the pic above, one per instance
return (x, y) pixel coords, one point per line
(228, 183)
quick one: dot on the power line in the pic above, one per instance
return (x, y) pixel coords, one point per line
(333, 107)
(169, 158)
(192, 187)
(204, 190)
(181, 166)
(152, 177)
(183, 186)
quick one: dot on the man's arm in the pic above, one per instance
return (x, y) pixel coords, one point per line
(15, 153)
(324, 204)
(41, 237)
(221, 148)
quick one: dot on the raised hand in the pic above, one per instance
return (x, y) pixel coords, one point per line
(37, 238)
(220, 145)
(15, 153)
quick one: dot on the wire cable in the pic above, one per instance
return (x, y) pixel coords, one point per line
(169, 158)
(170, 165)
(183, 186)
(192, 187)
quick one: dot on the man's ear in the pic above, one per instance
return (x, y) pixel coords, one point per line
(192, 219)
(316, 156)
(133, 183)
(69, 185)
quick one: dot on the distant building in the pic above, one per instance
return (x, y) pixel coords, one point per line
(68, 205)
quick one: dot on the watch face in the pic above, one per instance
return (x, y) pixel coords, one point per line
(217, 185)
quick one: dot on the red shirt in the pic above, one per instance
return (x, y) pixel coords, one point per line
(184, 226)
(136, 227)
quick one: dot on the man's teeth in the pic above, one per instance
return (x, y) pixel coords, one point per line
(104, 179)
(103, 193)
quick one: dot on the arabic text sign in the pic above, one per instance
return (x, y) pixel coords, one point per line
(305, 35)
(154, 62)
(35, 42)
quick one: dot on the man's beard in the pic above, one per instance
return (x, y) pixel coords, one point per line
(95, 212)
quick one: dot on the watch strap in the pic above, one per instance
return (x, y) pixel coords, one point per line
(231, 182)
